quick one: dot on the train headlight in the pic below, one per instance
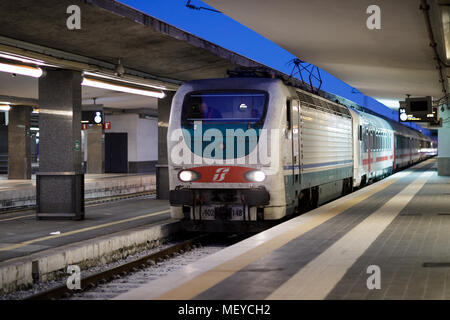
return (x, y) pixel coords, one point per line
(188, 175)
(255, 176)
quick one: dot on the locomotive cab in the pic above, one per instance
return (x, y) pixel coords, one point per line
(219, 177)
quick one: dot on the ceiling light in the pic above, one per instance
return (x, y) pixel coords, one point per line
(21, 59)
(122, 80)
(117, 87)
(21, 69)
(4, 107)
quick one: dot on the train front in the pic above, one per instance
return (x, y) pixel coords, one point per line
(224, 149)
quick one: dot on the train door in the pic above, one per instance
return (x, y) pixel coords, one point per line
(289, 150)
(296, 140)
(369, 152)
(410, 145)
(395, 146)
(289, 157)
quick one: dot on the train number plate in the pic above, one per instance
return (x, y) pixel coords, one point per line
(208, 213)
(237, 213)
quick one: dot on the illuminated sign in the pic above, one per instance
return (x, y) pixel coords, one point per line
(92, 117)
(417, 110)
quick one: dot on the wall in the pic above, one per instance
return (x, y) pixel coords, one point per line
(142, 140)
(147, 135)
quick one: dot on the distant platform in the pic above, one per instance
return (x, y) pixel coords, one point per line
(110, 230)
(22, 193)
(389, 240)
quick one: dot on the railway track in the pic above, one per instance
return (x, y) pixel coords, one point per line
(88, 202)
(103, 277)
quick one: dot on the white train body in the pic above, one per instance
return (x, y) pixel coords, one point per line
(297, 150)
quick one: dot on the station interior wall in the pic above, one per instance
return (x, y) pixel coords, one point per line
(142, 140)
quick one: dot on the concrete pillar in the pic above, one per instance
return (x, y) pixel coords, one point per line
(95, 150)
(3, 144)
(19, 155)
(162, 170)
(443, 159)
(60, 182)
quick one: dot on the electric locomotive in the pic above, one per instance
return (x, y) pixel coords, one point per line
(247, 152)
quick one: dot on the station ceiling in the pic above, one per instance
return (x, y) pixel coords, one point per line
(387, 63)
(109, 31)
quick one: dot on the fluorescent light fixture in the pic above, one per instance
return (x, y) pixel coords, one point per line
(446, 28)
(117, 87)
(21, 69)
(34, 129)
(108, 77)
(4, 107)
(21, 59)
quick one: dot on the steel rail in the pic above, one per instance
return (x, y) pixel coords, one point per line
(91, 281)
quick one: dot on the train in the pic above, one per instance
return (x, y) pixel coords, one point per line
(246, 153)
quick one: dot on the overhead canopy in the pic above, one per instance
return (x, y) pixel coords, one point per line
(109, 30)
(387, 63)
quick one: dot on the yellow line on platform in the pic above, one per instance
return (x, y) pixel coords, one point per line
(28, 242)
(15, 218)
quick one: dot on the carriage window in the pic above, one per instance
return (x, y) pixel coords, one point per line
(376, 140)
(360, 133)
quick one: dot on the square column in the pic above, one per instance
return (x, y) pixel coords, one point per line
(3, 143)
(162, 168)
(19, 153)
(60, 182)
(443, 159)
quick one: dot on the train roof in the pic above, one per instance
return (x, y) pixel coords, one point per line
(403, 130)
(307, 95)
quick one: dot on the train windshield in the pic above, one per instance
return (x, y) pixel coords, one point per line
(230, 113)
(225, 107)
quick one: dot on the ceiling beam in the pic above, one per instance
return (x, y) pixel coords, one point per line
(19, 101)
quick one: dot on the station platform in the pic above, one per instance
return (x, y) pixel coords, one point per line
(30, 247)
(22, 193)
(389, 240)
